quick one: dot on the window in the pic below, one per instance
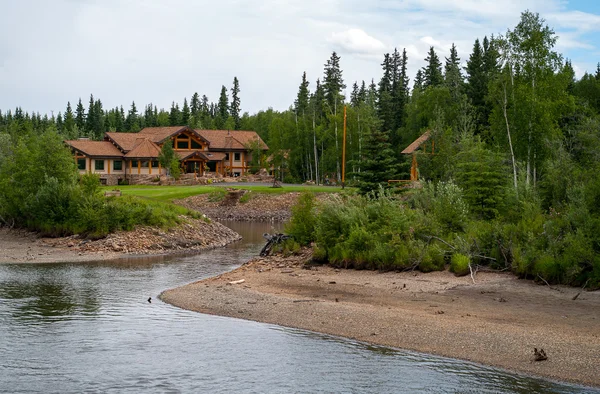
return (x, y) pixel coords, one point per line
(134, 163)
(118, 165)
(99, 165)
(81, 164)
(154, 164)
(227, 156)
(183, 144)
(236, 156)
(196, 145)
(144, 164)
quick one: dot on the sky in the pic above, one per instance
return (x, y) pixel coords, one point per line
(160, 51)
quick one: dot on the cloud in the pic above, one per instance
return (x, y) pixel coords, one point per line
(154, 51)
(356, 41)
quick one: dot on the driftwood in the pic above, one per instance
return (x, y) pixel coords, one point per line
(539, 355)
(271, 241)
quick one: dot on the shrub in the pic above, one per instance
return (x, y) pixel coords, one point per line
(459, 264)
(302, 223)
(433, 259)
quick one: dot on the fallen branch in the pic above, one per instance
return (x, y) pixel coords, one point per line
(548, 284)
(471, 269)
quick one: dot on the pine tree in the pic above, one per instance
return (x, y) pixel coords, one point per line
(80, 117)
(185, 113)
(205, 117)
(419, 80)
(69, 122)
(400, 95)
(59, 123)
(598, 72)
(476, 88)
(385, 109)
(90, 121)
(453, 77)
(354, 100)
(333, 82)
(235, 103)
(175, 115)
(432, 72)
(301, 103)
(132, 123)
(222, 109)
(362, 93)
(195, 106)
(379, 163)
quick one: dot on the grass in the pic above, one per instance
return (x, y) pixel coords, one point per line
(170, 193)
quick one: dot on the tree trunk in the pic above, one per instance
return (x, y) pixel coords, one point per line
(512, 153)
(315, 150)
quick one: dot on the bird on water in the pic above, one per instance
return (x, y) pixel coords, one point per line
(150, 299)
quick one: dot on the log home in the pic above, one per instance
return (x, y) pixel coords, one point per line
(133, 156)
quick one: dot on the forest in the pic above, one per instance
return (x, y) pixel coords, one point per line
(514, 173)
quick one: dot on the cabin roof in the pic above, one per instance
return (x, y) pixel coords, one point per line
(95, 148)
(417, 143)
(231, 139)
(143, 149)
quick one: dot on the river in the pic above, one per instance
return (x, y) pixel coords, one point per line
(88, 327)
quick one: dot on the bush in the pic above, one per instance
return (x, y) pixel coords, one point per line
(433, 260)
(302, 223)
(459, 264)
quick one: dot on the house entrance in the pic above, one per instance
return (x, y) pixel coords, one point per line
(193, 167)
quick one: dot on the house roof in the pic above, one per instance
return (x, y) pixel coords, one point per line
(144, 148)
(214, 156)
(95, 148)
(125, 141)
(417, 143)
(159, 134)
(231, 139)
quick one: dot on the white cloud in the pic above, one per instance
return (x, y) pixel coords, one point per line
(356, 41)
(157, 51)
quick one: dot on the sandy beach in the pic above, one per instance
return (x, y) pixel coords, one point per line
(498, 320)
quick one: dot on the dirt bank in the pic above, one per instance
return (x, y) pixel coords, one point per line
(193, 235)
(496, 321)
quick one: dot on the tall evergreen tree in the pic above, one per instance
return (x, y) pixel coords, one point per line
(333, 82)
(91, 120)
(80, 117)
(195, 106)
(379, 163)
(432, 72)
(419, 80)
(301, 103)
(132, 123)
(222, 109)
(476, 87)
(453, 77)
(235, 103)
(175, 115)
(69, 121)
(385, 107)
(185, 113)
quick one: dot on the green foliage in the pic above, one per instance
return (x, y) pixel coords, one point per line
(445, 203)
(302, 224)
(459, 264)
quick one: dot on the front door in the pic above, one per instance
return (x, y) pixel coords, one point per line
(192, 166)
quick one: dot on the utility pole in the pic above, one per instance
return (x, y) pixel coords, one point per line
(344, 153)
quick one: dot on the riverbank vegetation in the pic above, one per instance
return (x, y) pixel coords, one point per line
(41, 190)
(438, 227)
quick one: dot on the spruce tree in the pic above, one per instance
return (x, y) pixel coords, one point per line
(175, 115)
(90, 121)
(379, 163)
(362, 93)
(432, 72)
(80, 118)
(185, 113)
(476, 88)
(400, 96)
(385, 108)
(301, 103)
(235, 103)
(333, 82)
(354, 95)
(419, 80)
(69, 122)
(598, 72)
(132, 123)
(59, 123)
(452, 76)
(222, 109)
(195, 106)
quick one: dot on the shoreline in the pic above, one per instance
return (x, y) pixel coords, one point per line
(192, 236)
(497, 321)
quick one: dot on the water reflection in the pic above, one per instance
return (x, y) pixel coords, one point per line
(88, 327)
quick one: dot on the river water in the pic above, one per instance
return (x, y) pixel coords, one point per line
(88, 327)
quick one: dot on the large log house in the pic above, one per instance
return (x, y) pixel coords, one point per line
(134, 156)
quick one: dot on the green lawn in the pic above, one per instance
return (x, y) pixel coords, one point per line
(169, 193)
